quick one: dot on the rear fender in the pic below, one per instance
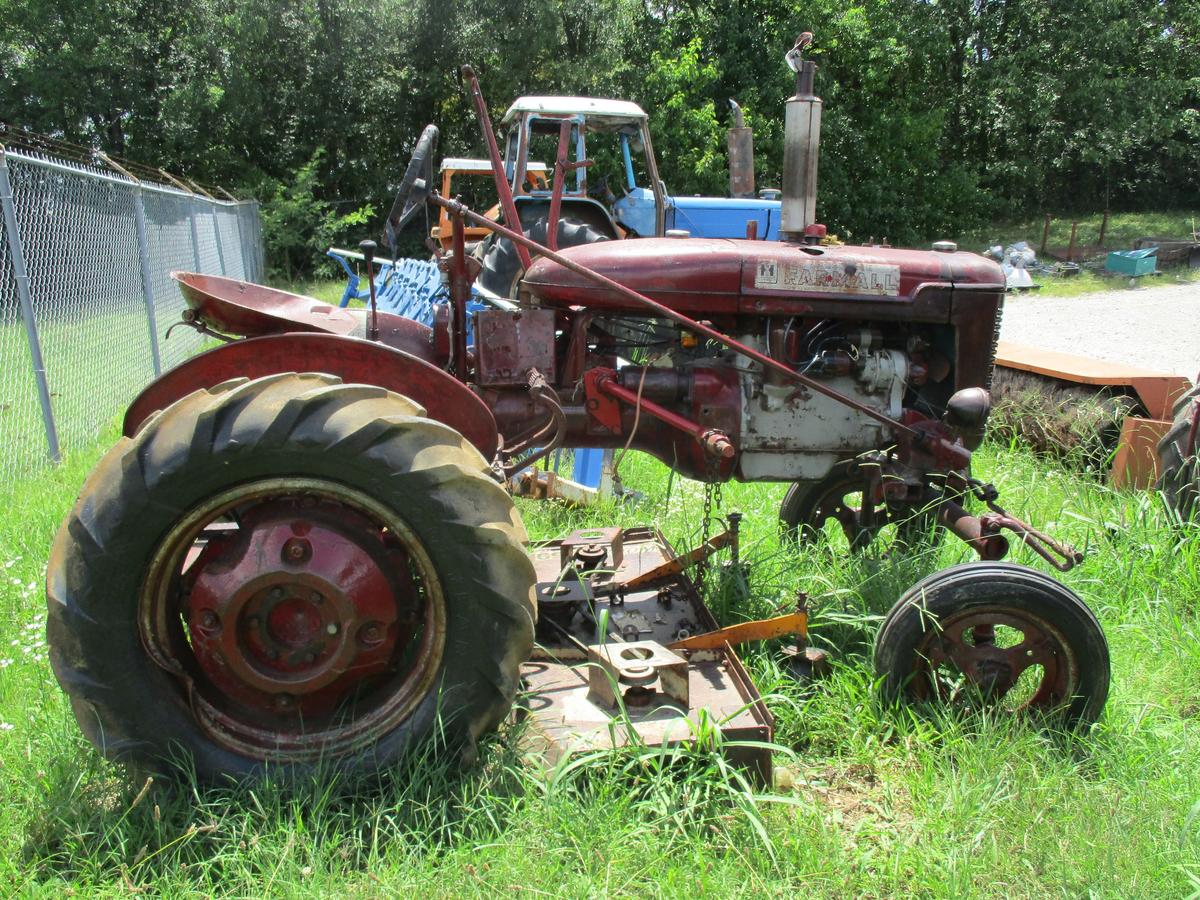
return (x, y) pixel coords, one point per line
(355, 361)
(255, 310)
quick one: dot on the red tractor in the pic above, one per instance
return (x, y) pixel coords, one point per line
(303, 549)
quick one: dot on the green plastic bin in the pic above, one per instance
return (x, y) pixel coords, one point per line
(1132, 262)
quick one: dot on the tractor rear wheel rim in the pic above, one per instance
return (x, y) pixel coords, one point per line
(1002, 655)
(302, 618)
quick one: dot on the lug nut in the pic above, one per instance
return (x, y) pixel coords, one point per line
(276, 593)
(208, 620)
(296, 550)
(331, 628)
(370, 634)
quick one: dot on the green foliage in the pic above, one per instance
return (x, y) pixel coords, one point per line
(683, 120)
(938, 116)
(299, 226)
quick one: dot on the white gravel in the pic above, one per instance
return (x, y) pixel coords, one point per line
(1155, 328)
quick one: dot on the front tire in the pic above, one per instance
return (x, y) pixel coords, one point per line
(285, 572)
(834, 510)
(995, 635)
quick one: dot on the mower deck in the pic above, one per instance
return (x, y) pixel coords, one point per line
(579, 686)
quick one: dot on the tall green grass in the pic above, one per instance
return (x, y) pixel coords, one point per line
(869, 801)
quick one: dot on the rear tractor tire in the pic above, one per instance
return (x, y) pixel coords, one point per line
(1179, 464)
(502, 271)
(286, 572)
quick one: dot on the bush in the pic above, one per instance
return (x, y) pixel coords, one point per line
(298, 226)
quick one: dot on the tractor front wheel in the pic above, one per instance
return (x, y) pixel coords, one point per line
(836, 510)
(997, 636)
(284, 572)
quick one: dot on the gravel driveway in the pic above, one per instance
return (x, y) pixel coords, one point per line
(1152, 327)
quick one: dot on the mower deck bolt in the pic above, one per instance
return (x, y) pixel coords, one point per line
(209, 620)
(284, 701)
(331, 628)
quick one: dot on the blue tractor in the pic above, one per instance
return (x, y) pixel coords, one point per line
(611, 189)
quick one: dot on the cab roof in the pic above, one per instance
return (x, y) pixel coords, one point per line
(464, 164)
(612, 112)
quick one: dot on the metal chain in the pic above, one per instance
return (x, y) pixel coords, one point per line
(712, 496)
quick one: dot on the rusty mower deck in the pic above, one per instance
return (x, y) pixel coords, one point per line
(633, 687)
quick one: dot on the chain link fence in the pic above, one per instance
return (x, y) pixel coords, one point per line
(86, 297)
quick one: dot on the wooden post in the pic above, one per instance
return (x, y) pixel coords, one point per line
(1103, 227)
(1071, 248)
(1045, 236)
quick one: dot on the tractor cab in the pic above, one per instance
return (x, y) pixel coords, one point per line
(611, 172)
(607, 156)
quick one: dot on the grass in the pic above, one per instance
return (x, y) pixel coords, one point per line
(328, 290)
(1123, 229)
(871, 801)
(1089, 282)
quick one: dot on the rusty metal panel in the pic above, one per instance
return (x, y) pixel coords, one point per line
(511, 342)
(1158, 391)
(1136, 462)
(354, 361)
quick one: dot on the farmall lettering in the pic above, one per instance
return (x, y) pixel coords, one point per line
(830, 276)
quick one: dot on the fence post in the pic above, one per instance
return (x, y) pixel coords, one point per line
(139, 218)
(246, 276)
(212, 210)
(195, 235)
(21, 276)
(260, 261)
(139, 211)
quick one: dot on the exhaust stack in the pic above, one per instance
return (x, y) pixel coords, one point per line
(801, 146)
(740, 141)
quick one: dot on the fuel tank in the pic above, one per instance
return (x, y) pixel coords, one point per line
(704, 277)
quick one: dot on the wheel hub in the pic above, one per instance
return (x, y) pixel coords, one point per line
(967, 643)
(296, 606)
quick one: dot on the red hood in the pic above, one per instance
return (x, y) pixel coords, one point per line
(711, 276)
